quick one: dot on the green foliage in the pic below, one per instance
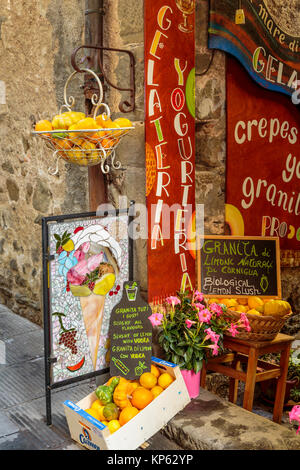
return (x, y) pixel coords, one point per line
(184, 338)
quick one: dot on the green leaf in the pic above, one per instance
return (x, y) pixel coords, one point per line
(197, 366)
(188, 354)
(57, 237)
(175, 359)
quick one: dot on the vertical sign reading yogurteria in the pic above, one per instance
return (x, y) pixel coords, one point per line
(170, 147)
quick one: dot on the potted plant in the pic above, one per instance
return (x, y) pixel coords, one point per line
(292, 390)
(190, 330)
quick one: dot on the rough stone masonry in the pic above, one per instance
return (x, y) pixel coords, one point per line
(36, 42)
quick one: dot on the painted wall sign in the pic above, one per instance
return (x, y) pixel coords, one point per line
(263, 164)
(170, 144)
(239, 267)
(130, 334)
(247, 30)
(89, 263)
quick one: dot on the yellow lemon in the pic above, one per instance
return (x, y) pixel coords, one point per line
(165, 379)
(229, 302)
(253, 311)
(104, 422)
(123, 122)
(93, 413)
(104, 285)
(102, 122)
(99, 408)
(242, 308)
(69, 246)
(113, 425)
(254, 302)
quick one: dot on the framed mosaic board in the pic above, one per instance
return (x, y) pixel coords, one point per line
(87, 258)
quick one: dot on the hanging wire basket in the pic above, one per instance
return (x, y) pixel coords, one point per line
(86, 147)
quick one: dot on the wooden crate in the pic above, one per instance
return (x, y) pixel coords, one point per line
(90, 433)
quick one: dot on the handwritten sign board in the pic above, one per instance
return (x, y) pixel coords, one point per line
(130, 334)
(239, 267)
(249, 31)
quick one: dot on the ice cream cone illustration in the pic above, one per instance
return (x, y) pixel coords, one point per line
(92, 311)
(92, 278)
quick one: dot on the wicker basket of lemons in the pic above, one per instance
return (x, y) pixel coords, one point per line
(266, 316)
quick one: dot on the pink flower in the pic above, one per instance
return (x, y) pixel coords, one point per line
(217, 309)
(211, 335)
(172, 300)
(245, 322)
(156, 319)
(233, 329)
(94, 261)
(204, 315)
(215, 349)
(198, 296)
(200, 306)
(189, 323)
(294, 414)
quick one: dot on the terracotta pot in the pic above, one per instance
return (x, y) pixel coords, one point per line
(268, 388)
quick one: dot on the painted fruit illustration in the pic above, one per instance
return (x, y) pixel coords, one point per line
(150, 169)
(234, 222)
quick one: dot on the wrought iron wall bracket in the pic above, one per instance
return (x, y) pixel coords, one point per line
(125, 106)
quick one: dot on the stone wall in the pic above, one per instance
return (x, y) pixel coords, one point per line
(36, 41)
(34, 65)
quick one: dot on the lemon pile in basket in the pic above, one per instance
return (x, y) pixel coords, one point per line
(83, 146)
(256, 306)
(120, 400)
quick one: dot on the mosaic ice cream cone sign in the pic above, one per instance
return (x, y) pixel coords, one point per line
(93, 277)
(86, 279)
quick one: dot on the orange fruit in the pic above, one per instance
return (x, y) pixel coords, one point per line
(43, 125)
(127, 414)
(141, 397)
(148, 380)
(113, 425)
(157, 390)
(135, 385)
(155, 371)
(165, 379)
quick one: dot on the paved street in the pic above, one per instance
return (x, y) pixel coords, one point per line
(207, 423)
(22, 393)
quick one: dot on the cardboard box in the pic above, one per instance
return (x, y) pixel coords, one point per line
(90, 433)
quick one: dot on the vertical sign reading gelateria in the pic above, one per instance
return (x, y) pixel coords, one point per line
(170, 147)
